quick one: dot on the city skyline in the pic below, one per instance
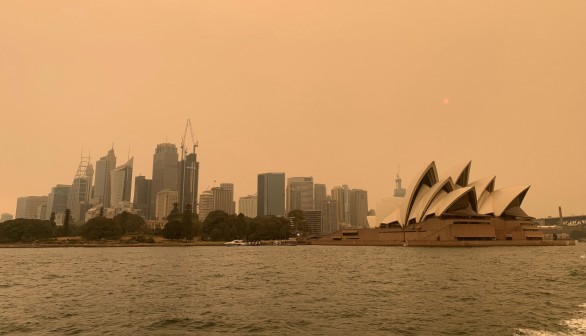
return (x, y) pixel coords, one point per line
(344, 92)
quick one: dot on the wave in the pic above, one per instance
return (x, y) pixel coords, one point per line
(575, 326)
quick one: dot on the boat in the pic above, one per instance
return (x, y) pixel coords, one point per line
(237, 242)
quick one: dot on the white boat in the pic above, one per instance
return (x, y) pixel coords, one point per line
(236, 242)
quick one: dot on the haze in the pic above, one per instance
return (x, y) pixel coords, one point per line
(344, 91)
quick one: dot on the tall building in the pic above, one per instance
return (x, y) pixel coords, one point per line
(27, 207)
(398, 192)
(300, 193)
(165, 171)
(340, 195)
(224, 198)
(188, 181)
(206, 204)
(79, 194)
(102, 186)
(247, 205)
(5, 217)
(271, 194)
(57, 200)
(358, 208)
(164, 202)
(319, 195)
(329, 216)
(121, 184)
(313, 218)
(142, 196)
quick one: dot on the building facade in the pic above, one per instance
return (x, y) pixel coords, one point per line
(247, 205)
(164, 202)
(28, 207)
(329, 216)
(165, 171)
(206, 204)
(188, 181)
(300, 193)
(57, 200)
(314, 221)
(271, 194)
(319, 195)
(358, 208)
(121, 184)
(142, 196)
(78, 200)
(101, 190)
(5, 217)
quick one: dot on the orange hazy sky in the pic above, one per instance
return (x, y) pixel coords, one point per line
(344, 91)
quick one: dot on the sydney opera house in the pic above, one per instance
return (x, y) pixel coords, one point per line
(449, 210)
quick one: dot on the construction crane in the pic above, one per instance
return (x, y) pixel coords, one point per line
(191, 169)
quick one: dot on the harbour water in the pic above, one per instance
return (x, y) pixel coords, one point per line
(293, 290)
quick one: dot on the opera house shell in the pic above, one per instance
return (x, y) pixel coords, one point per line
(449, 210)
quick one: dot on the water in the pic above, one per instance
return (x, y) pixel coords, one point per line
(317, 290)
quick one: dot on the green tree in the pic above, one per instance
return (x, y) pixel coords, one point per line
(213, 225)
(297, 218)
(187, 229)
(24, 230)
(172, 230)
(66, 223)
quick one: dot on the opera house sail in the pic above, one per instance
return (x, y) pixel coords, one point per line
(451, 210)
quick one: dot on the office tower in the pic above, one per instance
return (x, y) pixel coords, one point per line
(5, 217)
(358, 208)
(313, 218)
(79, 194)
(121, 184)
(206, 204)
(247, 205)
(57, 200)
(271, 194)
(142, 196)
(319, 195)
(27, 207)
(164, 203)
(300, 193)
(398, 192)
(41, 211)
(339, 195)
(224, 198)
(102, 183)
(165, 171)
(188, 181)
(329, 216)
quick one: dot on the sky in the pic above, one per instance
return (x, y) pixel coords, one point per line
(344, 91)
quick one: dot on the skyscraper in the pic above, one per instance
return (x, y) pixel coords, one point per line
(102, 189)
(79, 194)
(339, 195)
(206, 204)
(271, 194)
(121, 184)
(27, 207)
(142, 196)
(164, 202)
(330, 216)
(314, 221)
(358, 208)
(5, 217)
(224, 198)
(165, 170)
(248, 205)
(319, 195)
(57, 200)
(300, 193)
(188, 181)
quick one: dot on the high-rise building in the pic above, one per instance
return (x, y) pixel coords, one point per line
(300, 193)
(164, 203)
(329, 216)
(142, 196)
(5, 217)
(188, 181)
(271, 194)
(248, 205)
(399, 192)
(165, 171)
(79, 194)
(121, 184)
(57, 200)
(340, 195)
(206, 204)
(313, 218)
(319, 195)
(358, 208)
(224, 198)
(27, 207)
(102, 187)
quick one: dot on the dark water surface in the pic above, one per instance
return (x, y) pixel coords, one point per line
(307, 290)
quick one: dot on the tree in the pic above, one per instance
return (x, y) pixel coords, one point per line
(24, 230)
(52, 220)
(187, 228)
(172, 230)
(101, 227)
(297, 218)
(66, 222)
(130, 223)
